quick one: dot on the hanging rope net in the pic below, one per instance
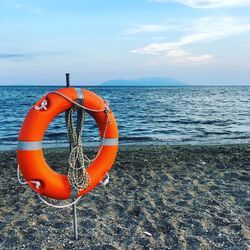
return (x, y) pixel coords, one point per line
(78, 177)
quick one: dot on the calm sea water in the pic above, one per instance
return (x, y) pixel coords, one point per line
(145, 115)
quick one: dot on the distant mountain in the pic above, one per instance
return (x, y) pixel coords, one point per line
(149, 81)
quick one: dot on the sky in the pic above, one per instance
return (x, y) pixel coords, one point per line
(201, 42)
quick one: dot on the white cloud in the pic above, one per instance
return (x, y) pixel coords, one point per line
(146, 28)
(158, 38)
(174, 52)
(25, 7)
(208, 3)
(205, 30)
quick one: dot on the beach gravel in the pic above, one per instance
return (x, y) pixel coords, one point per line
(159, 197)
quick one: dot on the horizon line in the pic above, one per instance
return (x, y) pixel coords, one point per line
(100, 85)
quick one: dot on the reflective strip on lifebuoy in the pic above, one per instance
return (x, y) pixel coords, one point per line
(29, 145)
(29, 150)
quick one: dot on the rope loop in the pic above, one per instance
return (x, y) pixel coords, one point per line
(78, 177)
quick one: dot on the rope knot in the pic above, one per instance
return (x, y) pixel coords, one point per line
(107, 111)
(43, 105)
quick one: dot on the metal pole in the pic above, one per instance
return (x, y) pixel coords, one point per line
(75, 221)
(74, 214)
(67, 80)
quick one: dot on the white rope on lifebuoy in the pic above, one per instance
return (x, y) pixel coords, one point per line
(37, 185)
(106, 180)
(79, 105)
(58, 206)
(18, 176)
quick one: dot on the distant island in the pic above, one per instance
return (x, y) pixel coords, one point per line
(149, 81)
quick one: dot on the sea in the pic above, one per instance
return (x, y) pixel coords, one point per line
(145, 115)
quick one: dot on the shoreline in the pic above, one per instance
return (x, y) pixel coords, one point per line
(185, 196)
(134, 145)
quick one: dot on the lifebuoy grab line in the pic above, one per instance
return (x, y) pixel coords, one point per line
(29, 150)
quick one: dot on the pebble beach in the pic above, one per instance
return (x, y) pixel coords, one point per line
(159, 197)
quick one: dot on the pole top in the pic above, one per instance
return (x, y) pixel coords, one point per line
(67, 79)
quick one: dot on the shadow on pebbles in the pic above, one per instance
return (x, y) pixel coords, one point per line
(159, 197)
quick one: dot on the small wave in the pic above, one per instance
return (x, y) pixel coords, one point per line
(208, 122)
(243, 137)
(8, 139)
(159, 138)
(58, 136)
(205, 133)
(8, 142)
(137, 139)
(54, 141)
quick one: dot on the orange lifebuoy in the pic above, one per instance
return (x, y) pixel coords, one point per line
(30, 154)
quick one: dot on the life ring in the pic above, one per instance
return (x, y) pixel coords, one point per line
(30, 156)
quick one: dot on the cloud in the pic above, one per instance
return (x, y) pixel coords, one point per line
(24, 7)
(208, 3)
(146, 28)
(15, 56)
(174, 52)
(210, 29)
(26, 56)
(205, 30)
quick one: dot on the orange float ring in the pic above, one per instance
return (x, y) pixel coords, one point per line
(30, 154)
